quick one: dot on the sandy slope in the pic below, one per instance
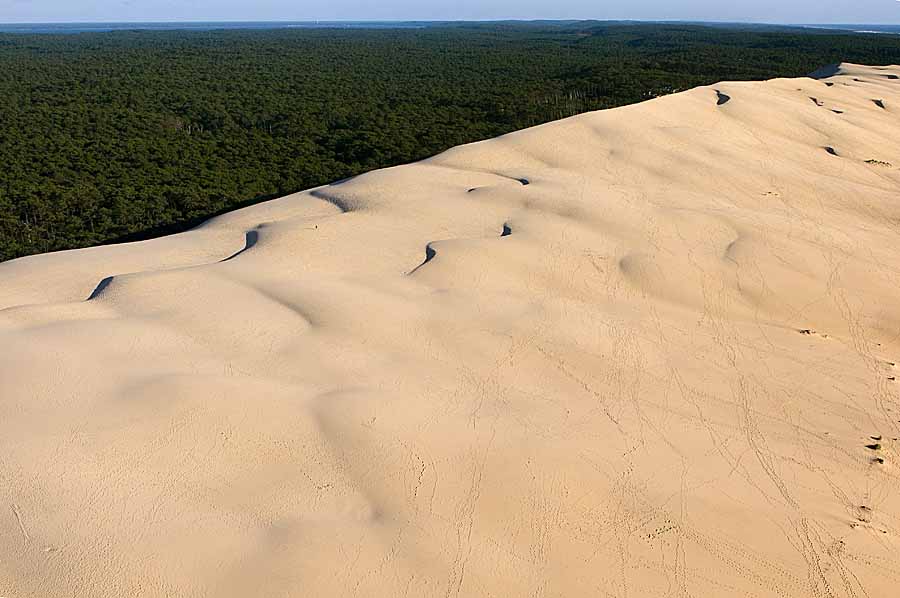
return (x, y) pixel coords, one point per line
(653, 370)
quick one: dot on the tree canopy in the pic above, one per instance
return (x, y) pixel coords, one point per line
(123, 135)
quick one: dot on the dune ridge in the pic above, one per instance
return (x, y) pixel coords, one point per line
(643, 352)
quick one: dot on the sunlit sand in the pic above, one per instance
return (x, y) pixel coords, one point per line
(643, 352)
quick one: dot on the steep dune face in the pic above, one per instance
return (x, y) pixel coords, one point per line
(641, 352)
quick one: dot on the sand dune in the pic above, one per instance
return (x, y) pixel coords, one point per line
(642, 352)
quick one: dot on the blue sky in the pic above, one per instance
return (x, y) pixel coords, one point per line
(775, 11)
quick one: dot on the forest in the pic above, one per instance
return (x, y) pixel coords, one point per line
(118, 136)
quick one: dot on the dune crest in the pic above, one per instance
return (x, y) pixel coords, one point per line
(642, 352)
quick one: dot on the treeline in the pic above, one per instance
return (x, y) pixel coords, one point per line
(116, 136)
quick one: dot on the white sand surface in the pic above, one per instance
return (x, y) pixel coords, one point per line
(651, 371)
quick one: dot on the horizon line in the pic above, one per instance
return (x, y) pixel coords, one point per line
(388, 21)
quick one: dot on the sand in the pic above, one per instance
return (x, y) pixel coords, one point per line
(644, 352)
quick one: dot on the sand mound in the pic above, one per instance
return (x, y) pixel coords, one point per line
(643, 352)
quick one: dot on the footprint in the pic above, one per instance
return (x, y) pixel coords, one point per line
(879, 103)
(830, 150)
(808, 332)
(817, 102)
(722, 98)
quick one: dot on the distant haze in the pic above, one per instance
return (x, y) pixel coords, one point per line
(762, 11)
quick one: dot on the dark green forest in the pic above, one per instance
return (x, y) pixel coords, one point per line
(106, 137)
